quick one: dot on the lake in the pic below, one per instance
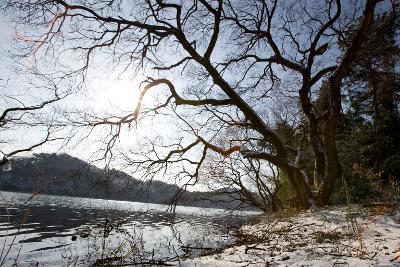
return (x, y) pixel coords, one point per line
(48, 230)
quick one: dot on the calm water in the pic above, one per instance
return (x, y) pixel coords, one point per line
(54, 230)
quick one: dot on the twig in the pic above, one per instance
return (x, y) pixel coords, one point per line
(253, 247)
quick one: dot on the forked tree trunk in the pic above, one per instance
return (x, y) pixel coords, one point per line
(322, 127)
(326, 159)
(332, 168)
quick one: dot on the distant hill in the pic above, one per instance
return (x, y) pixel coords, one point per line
(62, 174)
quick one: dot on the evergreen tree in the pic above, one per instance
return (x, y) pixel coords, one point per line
(369, 139)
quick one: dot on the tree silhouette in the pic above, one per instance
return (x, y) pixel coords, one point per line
(17, 116)
(218, 67)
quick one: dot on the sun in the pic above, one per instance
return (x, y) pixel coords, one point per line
(117, 95)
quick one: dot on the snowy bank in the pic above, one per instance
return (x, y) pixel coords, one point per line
(353, 236)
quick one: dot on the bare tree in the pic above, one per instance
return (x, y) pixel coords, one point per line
(216, 67)
(18, 118)
(257, 183)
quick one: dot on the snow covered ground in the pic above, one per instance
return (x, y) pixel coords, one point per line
(352, 236)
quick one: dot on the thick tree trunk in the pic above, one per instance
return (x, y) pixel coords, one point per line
(318, 152)
(332, 170)
(303, 192)
(332, 165)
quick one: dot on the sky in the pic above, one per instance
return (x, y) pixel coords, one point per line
(106, 93)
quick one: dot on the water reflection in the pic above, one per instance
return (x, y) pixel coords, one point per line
(58, 224)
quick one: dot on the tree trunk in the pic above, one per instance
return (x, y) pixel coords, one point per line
(332, 165)
(332, 170)
(300, 186)
(318, 152)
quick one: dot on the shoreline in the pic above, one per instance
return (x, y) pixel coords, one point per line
(333, 236)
